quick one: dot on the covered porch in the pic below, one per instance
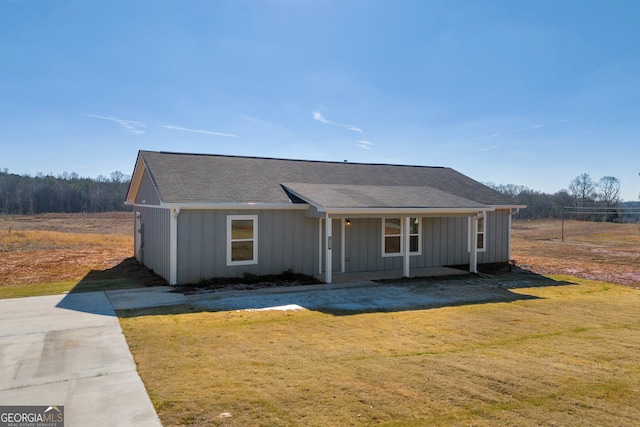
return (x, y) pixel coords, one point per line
(385, 224)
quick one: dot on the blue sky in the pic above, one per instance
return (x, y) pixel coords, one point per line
(531, 93)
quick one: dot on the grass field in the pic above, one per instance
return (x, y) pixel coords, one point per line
(48, 254)
(591, 250)
(567, 355)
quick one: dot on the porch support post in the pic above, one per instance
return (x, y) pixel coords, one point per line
(343, 246)
(319, 245)
(473, 245)
(407, 245)
(173, 245)
(328, 256)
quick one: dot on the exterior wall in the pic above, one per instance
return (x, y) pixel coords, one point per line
(287, 239)
(153, 239)
(444, 242)
(147, 194)
(497, 235)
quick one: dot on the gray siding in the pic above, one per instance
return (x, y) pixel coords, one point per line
(147, 194)
(497, 235)
(287, 239)
(154, 252)
(444, 242)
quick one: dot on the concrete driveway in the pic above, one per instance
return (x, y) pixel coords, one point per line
(69, 350)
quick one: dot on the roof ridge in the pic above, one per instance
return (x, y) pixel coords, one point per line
(292, 160)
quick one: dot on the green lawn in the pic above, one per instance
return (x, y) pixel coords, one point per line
(569, 356)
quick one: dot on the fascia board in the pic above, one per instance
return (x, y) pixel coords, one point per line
(509, 206)
(405, 211)
(136, 179)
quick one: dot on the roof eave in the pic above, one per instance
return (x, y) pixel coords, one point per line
(136, 179)
(248, 205)
(407, 210)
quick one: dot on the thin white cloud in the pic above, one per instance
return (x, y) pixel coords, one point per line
(317, 115)
(493, 147)
(365, 145)
(206, 132)
(493, 135)
(130, 126)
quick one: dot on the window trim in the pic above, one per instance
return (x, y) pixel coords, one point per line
(230, 240)
(402, 237)
(482, 232)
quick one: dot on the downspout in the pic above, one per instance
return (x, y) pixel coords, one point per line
(173, 246)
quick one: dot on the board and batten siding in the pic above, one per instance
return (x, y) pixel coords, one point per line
(147, 194)
(444, 243)
(287, 239)
(154, 239)
(497, 235)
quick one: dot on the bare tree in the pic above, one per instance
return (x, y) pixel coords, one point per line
(583, 188)
(609, 187)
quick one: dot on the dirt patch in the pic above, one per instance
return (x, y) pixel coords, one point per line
(249, 282)
(59, 265)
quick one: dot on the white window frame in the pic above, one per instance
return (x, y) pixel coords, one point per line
(402, 234)
(482, 232)
(230, 219)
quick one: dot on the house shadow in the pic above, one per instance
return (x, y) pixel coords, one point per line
(88, 295)
(130, 290)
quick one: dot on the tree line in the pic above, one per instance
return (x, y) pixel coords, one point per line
(65, 193)
(584, 199)
(70, 193)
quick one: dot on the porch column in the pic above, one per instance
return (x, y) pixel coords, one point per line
(473, 245)
(173, 245)
(328, 256)
(407, 245)
(319, 245)
(343, 246)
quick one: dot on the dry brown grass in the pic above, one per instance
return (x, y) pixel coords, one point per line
(61, 247)
(568, 357)
(596, 251)
(97, 223)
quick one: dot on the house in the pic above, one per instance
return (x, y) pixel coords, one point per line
(200, 216)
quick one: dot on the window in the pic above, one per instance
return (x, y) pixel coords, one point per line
(393, 238)
(242, 239)
(480, 236)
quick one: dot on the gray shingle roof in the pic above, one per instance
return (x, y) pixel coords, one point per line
(202, 178)
(370, 196)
